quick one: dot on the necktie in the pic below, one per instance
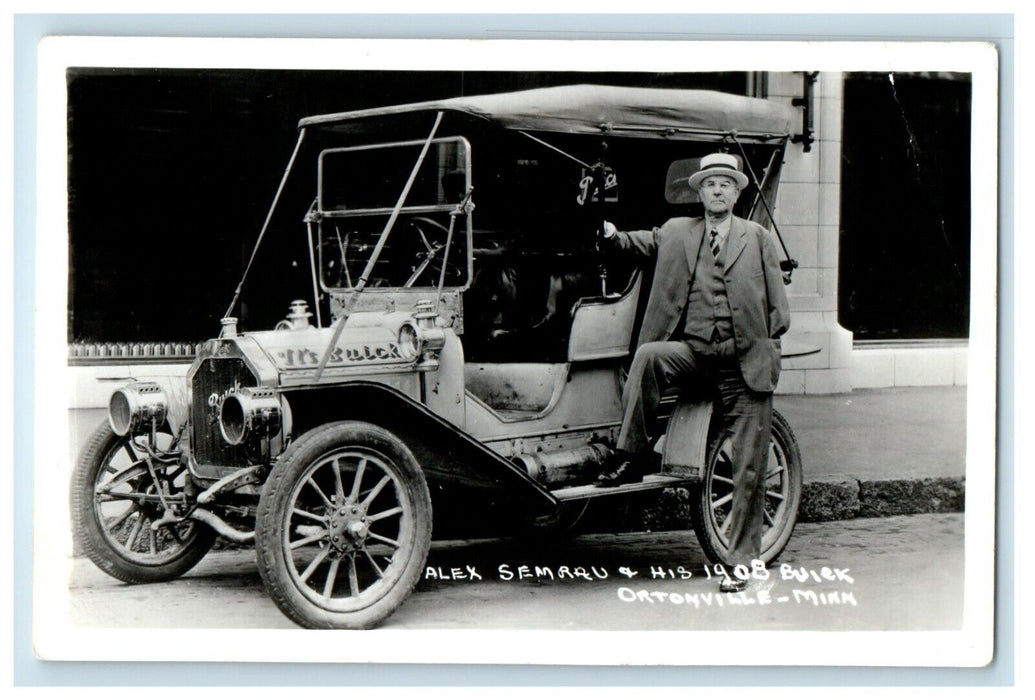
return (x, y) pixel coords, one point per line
(714, 242)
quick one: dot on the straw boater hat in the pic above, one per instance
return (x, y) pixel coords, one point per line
(718, 164)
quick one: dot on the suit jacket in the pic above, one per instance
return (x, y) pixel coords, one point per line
(754, 284)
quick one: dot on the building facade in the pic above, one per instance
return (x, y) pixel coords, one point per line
(156, 188)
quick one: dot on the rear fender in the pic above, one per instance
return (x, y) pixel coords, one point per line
(685, 451)
(462, 473)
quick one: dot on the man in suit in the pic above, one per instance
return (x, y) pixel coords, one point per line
(716, 311)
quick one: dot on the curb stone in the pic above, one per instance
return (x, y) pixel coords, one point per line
(840, 498)
(908, 496)
(830, 498)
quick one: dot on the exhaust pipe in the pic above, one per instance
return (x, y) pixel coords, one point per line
(223, 528)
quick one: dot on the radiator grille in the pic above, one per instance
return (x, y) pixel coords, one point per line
(215, 379)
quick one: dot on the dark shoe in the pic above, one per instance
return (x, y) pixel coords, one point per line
(732, 584)
(625, 470)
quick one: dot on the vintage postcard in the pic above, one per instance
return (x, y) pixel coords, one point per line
(520, 352)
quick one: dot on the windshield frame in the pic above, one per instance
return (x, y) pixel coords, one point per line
(450, 207)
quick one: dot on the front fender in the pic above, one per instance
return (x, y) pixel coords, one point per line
(469, 482)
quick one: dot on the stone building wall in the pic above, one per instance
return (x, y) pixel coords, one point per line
(808, 212)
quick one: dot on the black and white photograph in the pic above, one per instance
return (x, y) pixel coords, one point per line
(516, 352)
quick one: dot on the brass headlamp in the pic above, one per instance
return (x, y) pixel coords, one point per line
(249, 413)
(134, 409)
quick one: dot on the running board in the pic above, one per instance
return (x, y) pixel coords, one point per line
(650, 482)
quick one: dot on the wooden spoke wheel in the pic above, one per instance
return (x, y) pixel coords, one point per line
(344, 527)
(713, 502)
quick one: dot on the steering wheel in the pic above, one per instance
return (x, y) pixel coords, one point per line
(433, 236)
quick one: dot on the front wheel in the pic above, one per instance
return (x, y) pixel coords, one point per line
(344, 527)
(117, 495)
(712, 502)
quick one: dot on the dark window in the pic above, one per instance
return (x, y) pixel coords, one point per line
(171, 173)
(905, 206)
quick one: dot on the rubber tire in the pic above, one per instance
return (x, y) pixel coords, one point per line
(87, 531)
(273, 502)
(700, 504)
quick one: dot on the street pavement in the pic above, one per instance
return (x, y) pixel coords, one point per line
(867, 577)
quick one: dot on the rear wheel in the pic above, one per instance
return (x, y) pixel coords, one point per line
(344, 527)
(712, 503)
(115, 499)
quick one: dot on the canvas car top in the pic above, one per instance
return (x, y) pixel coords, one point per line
(587, 109)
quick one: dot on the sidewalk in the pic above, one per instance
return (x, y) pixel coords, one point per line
(877, 452)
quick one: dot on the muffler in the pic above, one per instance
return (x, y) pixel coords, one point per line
(565, 467)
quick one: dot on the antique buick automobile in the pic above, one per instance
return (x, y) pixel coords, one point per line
(449, 360)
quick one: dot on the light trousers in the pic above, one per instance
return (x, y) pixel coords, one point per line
(747, 419)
